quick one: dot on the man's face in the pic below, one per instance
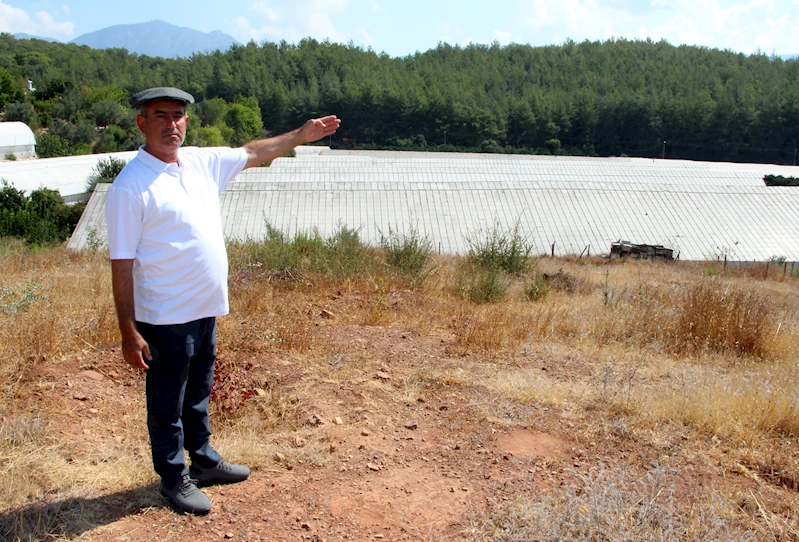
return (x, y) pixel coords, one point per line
(163, 124)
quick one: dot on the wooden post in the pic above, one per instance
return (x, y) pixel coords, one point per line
(767, 264)
(784, 269)
(553, 250)
(725, 264)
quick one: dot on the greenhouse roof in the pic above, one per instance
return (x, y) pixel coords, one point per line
(579, 205)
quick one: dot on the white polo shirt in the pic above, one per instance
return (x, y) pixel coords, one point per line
(166, 217)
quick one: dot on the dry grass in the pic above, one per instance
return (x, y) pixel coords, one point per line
(650, 345)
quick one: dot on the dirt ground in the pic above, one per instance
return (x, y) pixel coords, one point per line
(404, 451)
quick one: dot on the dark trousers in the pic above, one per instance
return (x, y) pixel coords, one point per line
(179, 384)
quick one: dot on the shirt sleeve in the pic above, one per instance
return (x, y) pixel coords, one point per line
(124, 217)
(230, 163)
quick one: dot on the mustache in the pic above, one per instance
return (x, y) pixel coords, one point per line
(171, 132)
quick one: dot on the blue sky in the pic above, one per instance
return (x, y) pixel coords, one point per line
(402, 28)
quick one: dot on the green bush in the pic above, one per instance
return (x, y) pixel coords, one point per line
(483, 285)
(341, 255)
(104, 171)
(41, 219)
(408, 253)
(50, 146)
(500, 249)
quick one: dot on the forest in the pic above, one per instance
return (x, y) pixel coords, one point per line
(611, 98)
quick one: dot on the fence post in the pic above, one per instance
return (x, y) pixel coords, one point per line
(784, 269)
(725, 264)
(767, 264)
(553, 250)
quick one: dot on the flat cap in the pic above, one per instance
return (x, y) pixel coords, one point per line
(161, 93)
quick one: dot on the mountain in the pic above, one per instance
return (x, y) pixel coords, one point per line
(24, 36)
(156, 38)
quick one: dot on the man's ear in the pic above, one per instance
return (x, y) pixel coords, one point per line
(140, 122)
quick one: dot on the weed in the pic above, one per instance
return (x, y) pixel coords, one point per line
(497, 248)
(18, 301)
(483, 285)
(408, 253)
(536, 288)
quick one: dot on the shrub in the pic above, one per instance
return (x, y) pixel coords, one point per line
(341, 255)
(500, 249)
(10, 156)
(105, 171)
(51, 145)
(408, 253)
(482, 285)
(41, 219)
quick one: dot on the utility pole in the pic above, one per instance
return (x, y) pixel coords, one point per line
(664, 150)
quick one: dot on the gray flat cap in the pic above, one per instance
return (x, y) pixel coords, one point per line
(161, 93)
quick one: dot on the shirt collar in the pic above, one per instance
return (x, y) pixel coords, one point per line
(156, 164)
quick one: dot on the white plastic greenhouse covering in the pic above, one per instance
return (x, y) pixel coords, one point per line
(66, 174)
(579, 205)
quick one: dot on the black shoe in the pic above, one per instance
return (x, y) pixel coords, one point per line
(224, 473)
(186, 497)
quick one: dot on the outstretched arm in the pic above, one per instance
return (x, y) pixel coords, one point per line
(265, 150)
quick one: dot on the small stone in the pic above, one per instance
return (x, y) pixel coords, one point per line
(383, 375)
(305, 525)
(338, 421)
(327, 314)
(80, 397)
(299, 442)
(333, 447)
(365, 432)
(280, 458)
(259, 392)
(93, 411)
(373, 467)
(411, 425)
(228, 535)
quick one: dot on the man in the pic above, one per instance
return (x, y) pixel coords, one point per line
(169, 273)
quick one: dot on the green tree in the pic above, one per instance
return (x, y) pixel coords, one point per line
(244, 118)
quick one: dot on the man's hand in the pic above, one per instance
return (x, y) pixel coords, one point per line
(316, 129)
(133, 346)
(266, 150)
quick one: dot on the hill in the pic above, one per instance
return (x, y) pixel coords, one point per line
(24, 36)
(612, 98)
(156, 38)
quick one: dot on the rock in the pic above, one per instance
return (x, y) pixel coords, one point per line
(90, 375)
(383, 376)
(365, 432)
(93, 411)
(80, 397)
(327, 314)
(280, 458)
(260, 392)
(299, 442)
(338, 421)
(373, 467)
(333, 447)
(411, 425)
(305, 525)
(228, 535)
